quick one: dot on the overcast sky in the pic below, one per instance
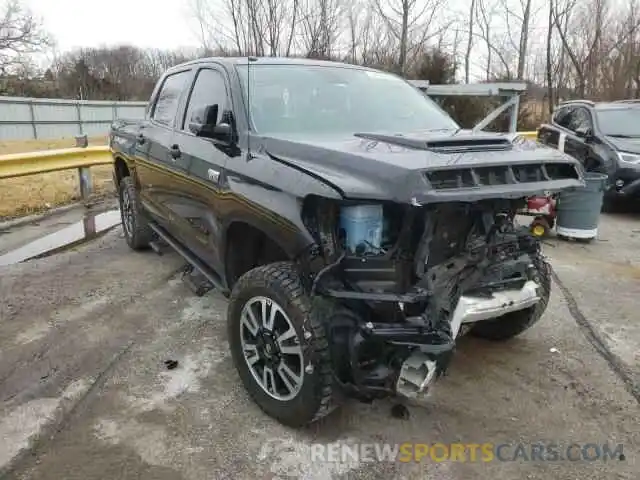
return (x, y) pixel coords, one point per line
(90, 23)
(147, 23)
(169, 24)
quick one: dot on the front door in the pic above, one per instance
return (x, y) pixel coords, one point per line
(207, 159)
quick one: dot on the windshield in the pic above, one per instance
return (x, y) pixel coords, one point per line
(619, 122)
(295, 99)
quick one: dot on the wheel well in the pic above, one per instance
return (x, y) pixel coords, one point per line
(121, 169)
(248, 247)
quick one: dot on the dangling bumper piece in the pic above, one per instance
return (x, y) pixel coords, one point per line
(420, 369)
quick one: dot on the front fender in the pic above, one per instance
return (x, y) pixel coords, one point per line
(275, 213)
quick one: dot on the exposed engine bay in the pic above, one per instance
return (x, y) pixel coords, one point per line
(402, 282)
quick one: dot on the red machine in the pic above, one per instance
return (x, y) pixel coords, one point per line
(543, 208)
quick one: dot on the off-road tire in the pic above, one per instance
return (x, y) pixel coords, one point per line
(317, 396)
(140, 234)
(514, 323)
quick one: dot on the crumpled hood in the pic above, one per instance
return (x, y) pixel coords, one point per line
(397, 168)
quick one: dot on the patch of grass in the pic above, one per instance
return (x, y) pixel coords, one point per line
(37, 193)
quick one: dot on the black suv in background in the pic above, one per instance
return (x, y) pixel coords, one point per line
(604, 137)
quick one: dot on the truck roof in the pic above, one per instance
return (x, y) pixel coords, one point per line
(233, 61)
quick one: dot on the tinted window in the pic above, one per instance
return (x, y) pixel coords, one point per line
(621, 122)
(563, 116)
(167, 103)
(307, 99)
(209, 89)
(580, 119)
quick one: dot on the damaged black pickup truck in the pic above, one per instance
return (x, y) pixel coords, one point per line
(355, 227)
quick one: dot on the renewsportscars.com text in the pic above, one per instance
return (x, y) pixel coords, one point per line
(468, 452)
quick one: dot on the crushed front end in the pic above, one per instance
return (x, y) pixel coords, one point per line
(398, 283)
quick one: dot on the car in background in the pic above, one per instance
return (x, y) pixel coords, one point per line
(605, 138)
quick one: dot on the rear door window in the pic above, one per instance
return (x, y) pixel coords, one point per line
(166, 104)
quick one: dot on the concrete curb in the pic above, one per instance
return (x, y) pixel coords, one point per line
(21, 221)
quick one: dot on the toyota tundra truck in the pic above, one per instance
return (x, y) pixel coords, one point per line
(355, 228)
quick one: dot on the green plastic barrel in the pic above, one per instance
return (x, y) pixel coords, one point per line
(579, 209)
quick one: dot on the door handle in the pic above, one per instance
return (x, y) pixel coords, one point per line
(141, 138)
(175, 151)
(213, 175)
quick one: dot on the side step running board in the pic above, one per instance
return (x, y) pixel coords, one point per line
(158, 246)
(194, 261)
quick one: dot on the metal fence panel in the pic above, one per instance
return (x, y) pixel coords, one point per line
(52, 131)
(126, 111)
(96, 113)
(16, 111)
(44, 113)
(96, 129)
(16, 132)
(48, 118)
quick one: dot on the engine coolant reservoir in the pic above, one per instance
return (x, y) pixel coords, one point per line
(362, 225)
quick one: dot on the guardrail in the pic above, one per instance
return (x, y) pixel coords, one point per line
(81, 158)
(530, 135)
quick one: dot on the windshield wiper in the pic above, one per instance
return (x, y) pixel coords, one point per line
(620, 135)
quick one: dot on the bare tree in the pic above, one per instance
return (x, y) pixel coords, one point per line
(548, 69)
(581, 46)
(21, 35)
(588, 49)
(517, 20)
(467, 58)
(410, 22)
(321, 26)
(247, 27)
(485, 17)
(524, 37)
(354, 10)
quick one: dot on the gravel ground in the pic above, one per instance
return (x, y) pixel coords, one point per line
(84, 393)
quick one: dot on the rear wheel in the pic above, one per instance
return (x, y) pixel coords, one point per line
(136, 228)
(279, 345)
(514, 323)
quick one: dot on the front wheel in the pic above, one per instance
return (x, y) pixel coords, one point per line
(279, 346)
(515, 323)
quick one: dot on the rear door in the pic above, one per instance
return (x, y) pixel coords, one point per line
(207, 159)
(158, 173)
